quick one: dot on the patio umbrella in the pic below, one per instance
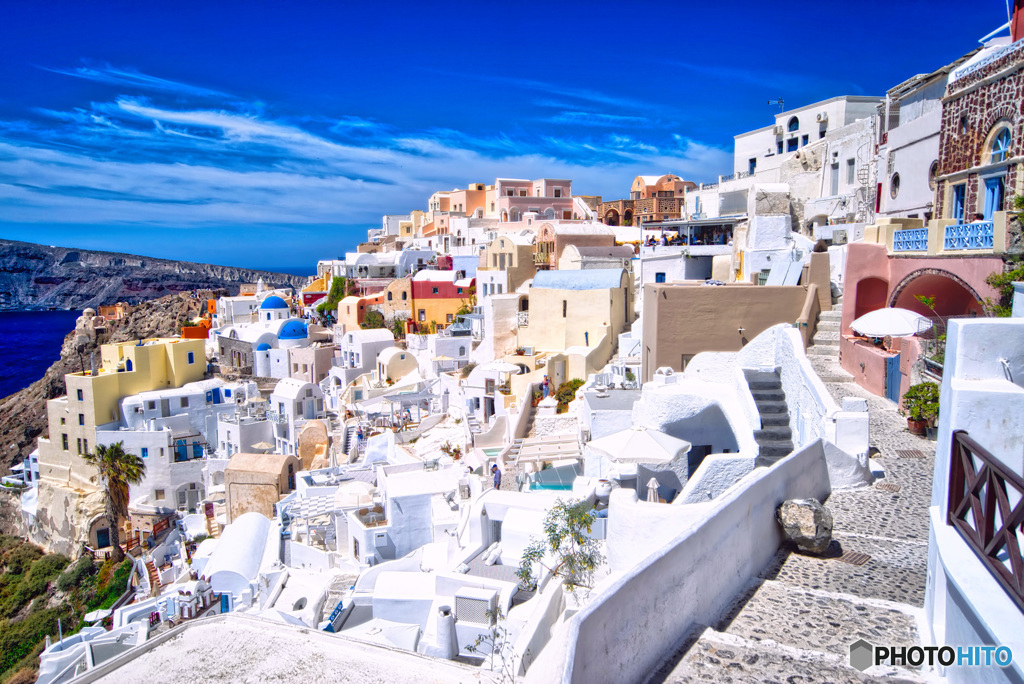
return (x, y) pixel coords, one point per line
(894, 322)
(97, 615)
(262, 446)
(637, 444)
(502, 367)
(652, 491)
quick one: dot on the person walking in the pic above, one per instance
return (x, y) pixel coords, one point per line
(497, 476)
(545, 388)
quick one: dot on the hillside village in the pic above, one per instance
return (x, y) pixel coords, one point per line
(379, 458)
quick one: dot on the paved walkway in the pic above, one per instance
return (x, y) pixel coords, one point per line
(797, 622)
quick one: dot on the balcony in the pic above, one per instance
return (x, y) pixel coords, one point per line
(541, 258)
(911, 240)
(962, 236)
(523, 319)
(986, 505)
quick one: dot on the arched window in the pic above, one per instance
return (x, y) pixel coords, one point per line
(390, 296)
(794, 124)
(128, 365)
(1000, 146)
(462, 351)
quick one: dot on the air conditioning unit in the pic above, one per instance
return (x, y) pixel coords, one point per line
(380, 539)
(477, 606)
(528, 351)
(839, 237)
(779, 130)
(822, 117)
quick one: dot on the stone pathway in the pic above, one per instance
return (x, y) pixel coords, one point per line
(796, 623)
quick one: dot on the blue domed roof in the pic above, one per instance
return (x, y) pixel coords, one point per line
(293, 330)
(273, 302)
(263, 346)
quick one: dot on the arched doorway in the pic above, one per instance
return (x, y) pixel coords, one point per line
(611, 218)
(871, 294)
(627, 217)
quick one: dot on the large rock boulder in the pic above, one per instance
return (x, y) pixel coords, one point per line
(806, 523)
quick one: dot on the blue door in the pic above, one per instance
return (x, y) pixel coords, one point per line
(958, 201)
(103, 538)
(892, 378)
(224, 608)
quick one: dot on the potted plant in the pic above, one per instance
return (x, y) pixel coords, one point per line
(921, 406)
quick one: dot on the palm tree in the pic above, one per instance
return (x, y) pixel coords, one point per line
(118, 469)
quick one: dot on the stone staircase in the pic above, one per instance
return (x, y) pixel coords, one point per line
(775, 438)
(824, 350)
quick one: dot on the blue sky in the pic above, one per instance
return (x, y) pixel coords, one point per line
(272, 134)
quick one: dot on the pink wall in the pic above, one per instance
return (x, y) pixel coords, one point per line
(872, 277)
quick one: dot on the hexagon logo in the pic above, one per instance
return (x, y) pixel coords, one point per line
(861, 655)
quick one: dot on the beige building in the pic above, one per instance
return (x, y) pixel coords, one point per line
(553, 238)
(580, 308)
(397, 299)
(256, 482)
(70, 510)
(510, 254)
(687, 318)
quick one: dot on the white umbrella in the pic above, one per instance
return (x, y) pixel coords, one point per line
(97, 615)
(502, 367)
(637, 444)
(652, 491)
(894, 322)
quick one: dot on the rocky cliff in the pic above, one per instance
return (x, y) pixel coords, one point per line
(23, 414)
(41, 277)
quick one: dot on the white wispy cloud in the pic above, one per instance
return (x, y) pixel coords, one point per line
(135, 161)
(597, 119)
(135, 79)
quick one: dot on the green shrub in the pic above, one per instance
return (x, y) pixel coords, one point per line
(108, 592)
(76, 574)
(49, 566)
(19, 639)
(566, 393)
(20, 559)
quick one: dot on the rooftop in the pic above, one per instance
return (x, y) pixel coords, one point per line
(589, 279)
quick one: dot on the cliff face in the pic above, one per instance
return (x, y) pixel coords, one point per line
(41, 277)
(23, 414)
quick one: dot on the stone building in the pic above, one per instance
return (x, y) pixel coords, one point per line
(980, 150)
(254, 483)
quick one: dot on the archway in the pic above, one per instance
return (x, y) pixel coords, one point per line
(871, 293)
(627, 217)
(953, 296)
(611, 218)
(513, 215)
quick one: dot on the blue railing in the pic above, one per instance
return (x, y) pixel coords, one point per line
(910, 240)
(969, 236)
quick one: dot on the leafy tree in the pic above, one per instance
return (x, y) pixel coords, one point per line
(1003, 282)
(573, 555)
(566, 393)
(118, 469)
(468, 303)
(373, 319)
(397, 327)
(334, 295)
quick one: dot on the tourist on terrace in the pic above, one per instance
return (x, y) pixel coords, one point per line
(978, 218)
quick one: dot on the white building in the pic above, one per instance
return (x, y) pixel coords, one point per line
(174, 431)
(292, 403)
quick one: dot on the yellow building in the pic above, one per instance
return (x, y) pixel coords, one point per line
(93, 400)
(437, 296)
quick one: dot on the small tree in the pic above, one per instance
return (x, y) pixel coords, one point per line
(118, 469)
(496, 646)
(574, 556)
(373, 319)
(1003, 282)
(566, 393)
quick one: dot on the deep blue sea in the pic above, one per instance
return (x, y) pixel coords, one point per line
(29, 342)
